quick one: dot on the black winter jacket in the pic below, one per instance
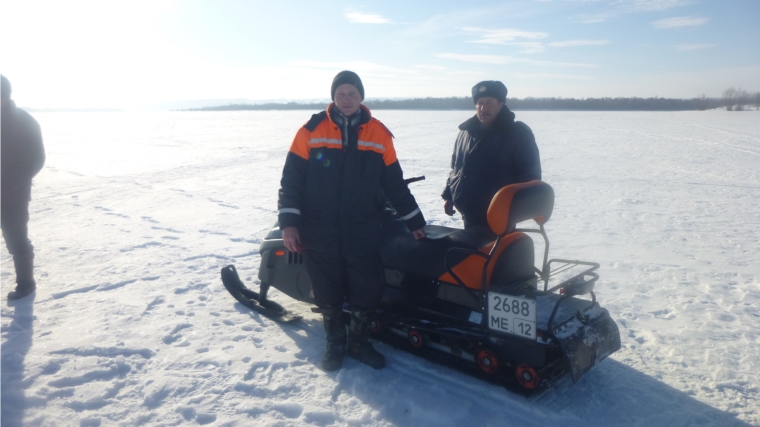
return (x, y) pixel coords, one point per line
(23, 153)
(487, 159)
(330, 185)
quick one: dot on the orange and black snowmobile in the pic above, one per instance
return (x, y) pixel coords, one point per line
(472, 298)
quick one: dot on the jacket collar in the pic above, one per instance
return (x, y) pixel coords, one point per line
(365, 113)
(503, 121)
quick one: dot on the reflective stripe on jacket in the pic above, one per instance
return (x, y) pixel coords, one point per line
(329, 191)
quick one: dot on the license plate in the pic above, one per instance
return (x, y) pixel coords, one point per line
(512, 315)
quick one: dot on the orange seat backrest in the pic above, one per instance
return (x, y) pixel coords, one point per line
(520, 202)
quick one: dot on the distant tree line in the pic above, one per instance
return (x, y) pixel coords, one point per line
(733, 99)
(611, 104)
(737, 99)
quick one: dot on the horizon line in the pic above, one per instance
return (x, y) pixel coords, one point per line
(219, 102)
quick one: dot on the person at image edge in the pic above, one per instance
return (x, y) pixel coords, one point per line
(23, 156)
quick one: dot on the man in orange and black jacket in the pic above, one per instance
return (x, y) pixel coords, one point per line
(337, 164)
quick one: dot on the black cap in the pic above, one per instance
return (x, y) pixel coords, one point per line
(491, 88)
(347, 77)
(5, 87)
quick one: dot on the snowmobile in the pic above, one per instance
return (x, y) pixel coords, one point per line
(472, 298)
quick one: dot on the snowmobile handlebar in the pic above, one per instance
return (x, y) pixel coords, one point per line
(414, 179)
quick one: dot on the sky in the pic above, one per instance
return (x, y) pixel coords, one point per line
(128, 54)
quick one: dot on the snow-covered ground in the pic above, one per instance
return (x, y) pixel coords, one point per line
(135, 214)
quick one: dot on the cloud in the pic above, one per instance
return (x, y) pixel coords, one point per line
(365, 18)
(617, 9)
(498, 59)
(426, 67)
(357, 66)
(529, 47)
(694, 46)
(503, 36)
(580, 42)
(653, 4)
(594, 19)
(482, 59)
(683, 21)
(553, 76)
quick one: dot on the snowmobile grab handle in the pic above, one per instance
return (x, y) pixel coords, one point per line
(382, 201)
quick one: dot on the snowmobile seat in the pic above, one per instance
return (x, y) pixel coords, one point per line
(509, 260)
(505, 256)
(426, 258)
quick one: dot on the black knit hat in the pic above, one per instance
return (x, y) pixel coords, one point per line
(5, 87)
(347, 77)
(491, 88)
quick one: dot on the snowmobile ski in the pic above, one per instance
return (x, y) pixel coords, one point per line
(256, 301)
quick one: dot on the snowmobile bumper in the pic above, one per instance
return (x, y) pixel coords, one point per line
(587, 338)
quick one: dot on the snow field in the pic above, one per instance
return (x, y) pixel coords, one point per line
(135, 214)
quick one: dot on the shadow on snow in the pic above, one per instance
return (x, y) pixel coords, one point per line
(610, 394)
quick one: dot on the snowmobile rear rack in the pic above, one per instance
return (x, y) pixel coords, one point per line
(567, 265)
(545, 273)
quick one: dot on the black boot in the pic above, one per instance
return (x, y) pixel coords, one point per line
(335, 328)
(359, 347)
(25, 284)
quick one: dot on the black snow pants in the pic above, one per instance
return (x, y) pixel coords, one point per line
(14, 219)
(334, 279)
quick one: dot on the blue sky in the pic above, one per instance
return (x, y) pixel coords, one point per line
(81, 54)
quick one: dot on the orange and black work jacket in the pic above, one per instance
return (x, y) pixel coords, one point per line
(330, 185)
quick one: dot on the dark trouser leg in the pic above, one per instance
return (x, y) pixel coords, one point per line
(326, 274)
(473, 221)
(14, 218)
(327, 278)
(24, 265)
(365, 279)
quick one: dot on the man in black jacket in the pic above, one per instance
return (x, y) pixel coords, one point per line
(337, 164)
(491, 151)
(23, 156)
